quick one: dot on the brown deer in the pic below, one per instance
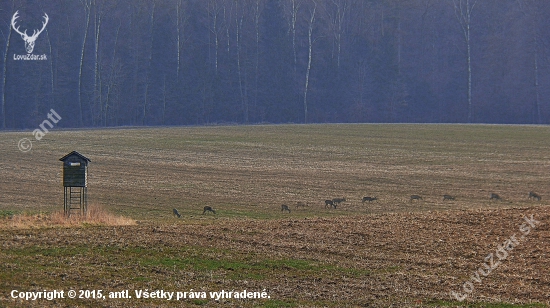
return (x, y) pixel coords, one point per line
(415, 197)
(369, 199)
(175, 212)
(284, 208)
(533, 195)
(448, 197)
(337, 201)
(329, 203)
(208, 209)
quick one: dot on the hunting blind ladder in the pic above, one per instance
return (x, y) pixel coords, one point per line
(75, 182)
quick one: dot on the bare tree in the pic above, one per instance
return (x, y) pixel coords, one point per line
(239, 16)
(52, 76)
(145, 98)
(178, 5)
(4, 74)
(228, 19)
(181, 21)
(294, 8)
(113, 80)
(98, 93)
(336, 11)
(214, 10)
(258, 7)
(310, 55)
(529, 9)
(87, 11)
(291, 10)
(463, 12)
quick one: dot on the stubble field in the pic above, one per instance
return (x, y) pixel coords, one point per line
(389, 252)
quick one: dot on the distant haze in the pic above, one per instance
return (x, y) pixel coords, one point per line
(193, 62)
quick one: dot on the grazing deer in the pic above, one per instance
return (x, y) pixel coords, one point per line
(329, 203)
(369, 199)
(448, 197)
(495, 197)
(533, 195)
(175, 212)
(208, 209)
(337, 201)
(415, 197)
(284, 208)
(298, 204)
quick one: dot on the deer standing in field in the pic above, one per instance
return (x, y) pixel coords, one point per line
(208, 209)
(175, 212)
(415, 197)
(495, 197)
(329, 203)
(369, 199)
(337, 201)
(448, 197)
(284, 208)
(533, 195)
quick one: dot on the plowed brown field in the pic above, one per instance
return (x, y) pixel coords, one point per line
(388, 253)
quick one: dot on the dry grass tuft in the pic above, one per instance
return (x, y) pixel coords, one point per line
(96, 215)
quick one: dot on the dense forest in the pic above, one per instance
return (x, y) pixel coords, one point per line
(101, 63)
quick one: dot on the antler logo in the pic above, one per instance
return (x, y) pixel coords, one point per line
(29, 40)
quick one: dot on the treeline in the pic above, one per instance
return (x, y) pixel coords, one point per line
(189, 62)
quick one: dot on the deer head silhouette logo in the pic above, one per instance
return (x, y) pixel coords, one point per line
(29, 40)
